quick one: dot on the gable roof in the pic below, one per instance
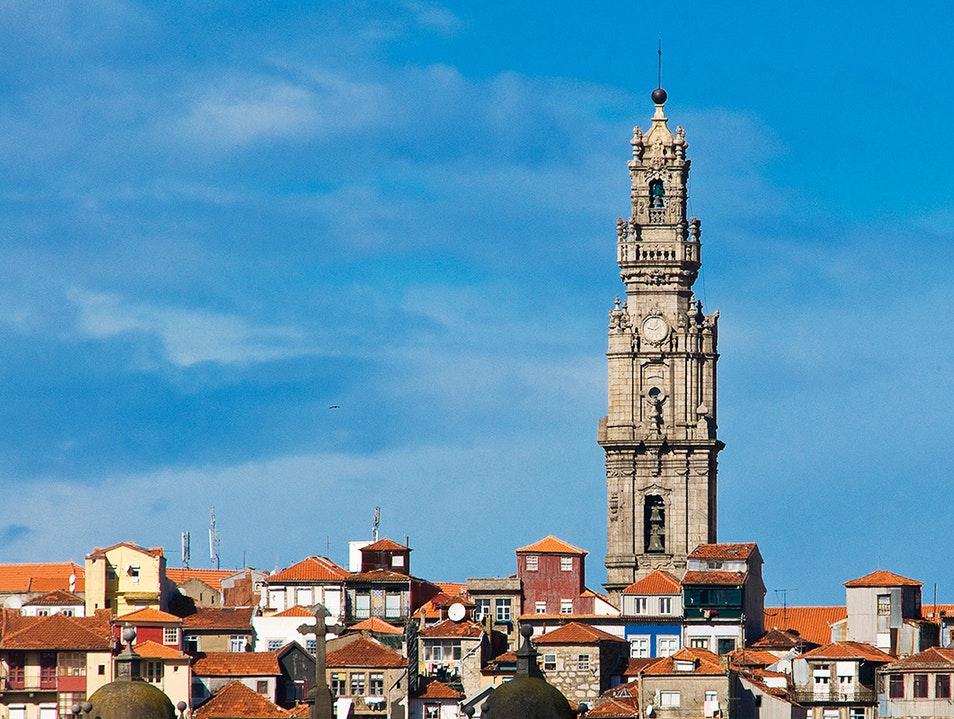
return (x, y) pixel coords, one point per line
(378, 626)
(99, 552)
(40, 577)
(154, 650)
(751, 657)
(57, 631)
(311, 569)
(237, 618)
(56, 598)
(883, 578)
(709, 577)
(576, 633)
(295, 611)
(385, 545)
(552, 545)
(434, 689)
(449, 628)
(148, 615)
(212, 577)
(237, 701)
(934, 657)
(849, 650)
(379, 575)
(705, 663)
(228, 664)
(656, 582)
(365, 652)
(724, 550)
(812, 623)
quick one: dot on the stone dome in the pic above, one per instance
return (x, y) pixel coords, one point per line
(528, 698)
(125, 699)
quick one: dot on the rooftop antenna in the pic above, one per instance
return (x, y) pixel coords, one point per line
(214, 539)
(783, 593)
(375, 523)
(186, 549)
(659, 64)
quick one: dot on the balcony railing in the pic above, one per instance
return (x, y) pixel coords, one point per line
(859, 695)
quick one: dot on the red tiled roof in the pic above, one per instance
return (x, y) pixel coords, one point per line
(438, 690)
(749, 657)
(364, 652)
(449, 628)
(812, 623)
(385, 545)
(212, 577)
(551, 545)
(780, 639)
(608, 707)
(56, 598)
(705, 663)
(849, 650)
(295, 611)
(237, 701)
(300, 710)
(883, 578)
(101, 551)
(725, 550)
(238, 618)
(379, 575)
(576, 633)
(56, 631)
(155, 650)
(452, 589)
(40, 577)
(734, 579)
(311, 569)
(656, 582)
(934, 657)
(148, 615)
(377, 626)
(635, 665)
(229, 664)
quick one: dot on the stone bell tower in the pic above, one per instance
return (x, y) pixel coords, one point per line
(660, 431)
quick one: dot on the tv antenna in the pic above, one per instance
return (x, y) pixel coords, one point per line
(186, 544)
(214, 539)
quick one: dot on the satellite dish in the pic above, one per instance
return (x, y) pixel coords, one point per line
(456, 612)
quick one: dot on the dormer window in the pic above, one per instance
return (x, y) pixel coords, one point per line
(657, 194)
(684, 666)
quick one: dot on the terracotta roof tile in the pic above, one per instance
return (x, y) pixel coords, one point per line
(56, 598)
(608, 707)
(705, 663)
(635, 665)
(438, 690)
(40, 577)
(812, 623)
(385, 545)
(749, 657)
(220, 618)
(379, 575)
(576, 633)
(364, 652)
(237, 701)
(212, 577)
(377, 626)
(656, 582)
(311, 569)
(227, 664)
(101, 551)
(300, 710)
(883, 578)
(935, 657)
(452, 589)
(551, 545)
(724, 550)
(295, 611)
(148, 615)
(56, 632)
(449, 628)
(734, 579)
(780, 639)
(849, 650)
(154, 650)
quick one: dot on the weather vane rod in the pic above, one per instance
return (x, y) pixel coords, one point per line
(659, 65)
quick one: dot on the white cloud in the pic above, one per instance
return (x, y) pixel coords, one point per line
(188, 336)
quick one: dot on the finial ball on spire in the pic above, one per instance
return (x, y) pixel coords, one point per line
(659, 96)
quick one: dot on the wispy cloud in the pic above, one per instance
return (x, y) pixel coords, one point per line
(188, 336)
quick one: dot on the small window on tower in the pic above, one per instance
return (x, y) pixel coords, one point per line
(657, 194)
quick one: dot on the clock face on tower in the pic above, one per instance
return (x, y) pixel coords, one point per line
(655, 329)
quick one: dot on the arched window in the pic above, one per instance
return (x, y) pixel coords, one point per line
(654, 523)
(657, 194)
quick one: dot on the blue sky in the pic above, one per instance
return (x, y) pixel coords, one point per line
(217, 221)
